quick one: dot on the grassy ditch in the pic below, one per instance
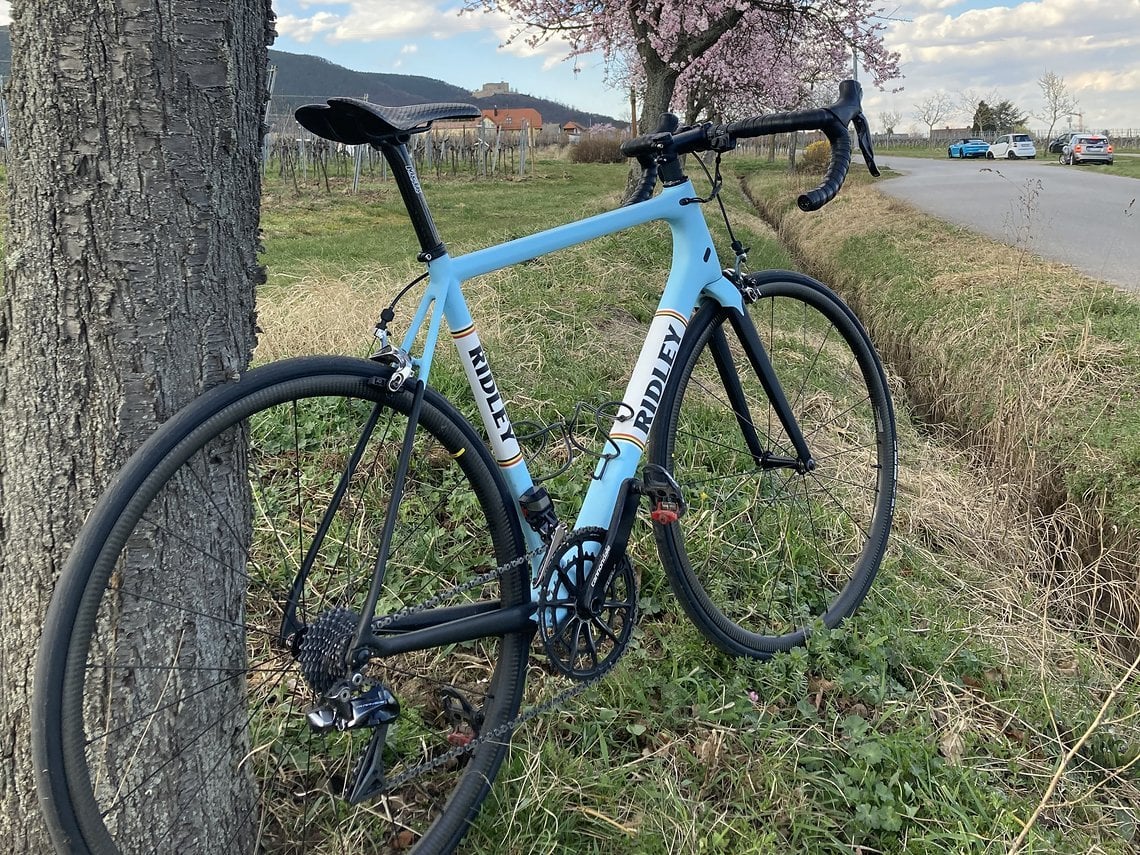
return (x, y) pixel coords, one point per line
(950, 715)
(1031, 365)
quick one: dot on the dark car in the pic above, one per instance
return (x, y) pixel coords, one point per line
(1059, 143)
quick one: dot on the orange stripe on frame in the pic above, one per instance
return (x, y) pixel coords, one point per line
(463, 333)
(669, 313)
(628, 438)
(507, 464)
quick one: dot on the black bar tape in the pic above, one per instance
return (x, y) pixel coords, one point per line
(836, 168)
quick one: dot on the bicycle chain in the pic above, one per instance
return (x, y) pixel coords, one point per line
(475, 582)
(506, 727)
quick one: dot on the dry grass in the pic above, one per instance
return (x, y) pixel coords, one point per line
(315, 315)
(1018, 356)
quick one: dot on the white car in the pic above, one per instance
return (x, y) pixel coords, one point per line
(1012, 146)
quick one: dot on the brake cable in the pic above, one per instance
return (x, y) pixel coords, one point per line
(738, 248)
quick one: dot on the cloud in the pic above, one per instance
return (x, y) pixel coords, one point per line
(1094, 45)
(305, 30)
(375, 20)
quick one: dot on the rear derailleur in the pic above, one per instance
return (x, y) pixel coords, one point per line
(358, 703)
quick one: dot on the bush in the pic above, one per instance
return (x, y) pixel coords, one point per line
(815, 157)
(597, 149)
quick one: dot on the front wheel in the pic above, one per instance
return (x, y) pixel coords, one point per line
(989, 155)
(769, 548)
(185, 646)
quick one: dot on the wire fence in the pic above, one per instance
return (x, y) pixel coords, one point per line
(295, 155)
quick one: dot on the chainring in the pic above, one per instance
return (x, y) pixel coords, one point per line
(584, 643)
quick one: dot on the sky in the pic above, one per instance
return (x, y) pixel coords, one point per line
(956, 47)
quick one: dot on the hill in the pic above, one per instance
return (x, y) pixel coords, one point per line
(302, 79)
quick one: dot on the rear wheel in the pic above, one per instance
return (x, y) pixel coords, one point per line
(174, 688)
(766, 551)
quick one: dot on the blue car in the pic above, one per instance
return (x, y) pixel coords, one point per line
(968, 148)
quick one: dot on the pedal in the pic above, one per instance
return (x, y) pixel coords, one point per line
(465, 720)
(666, 503)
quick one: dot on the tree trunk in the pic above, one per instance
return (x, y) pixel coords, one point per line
(129, 285)
(660, 83)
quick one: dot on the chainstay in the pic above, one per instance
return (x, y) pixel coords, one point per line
(507, 727)
(475, 582)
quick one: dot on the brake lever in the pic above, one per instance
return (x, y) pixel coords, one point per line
(863, 133)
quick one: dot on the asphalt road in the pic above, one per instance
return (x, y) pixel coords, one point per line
(1076, 215)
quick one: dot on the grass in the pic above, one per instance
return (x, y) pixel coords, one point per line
(1058, 414)
(934, 721)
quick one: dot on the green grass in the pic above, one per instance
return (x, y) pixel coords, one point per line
(931, 722)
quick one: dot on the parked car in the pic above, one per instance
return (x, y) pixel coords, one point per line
(1087, 148)
(968, 148)
(1058, 143)
(1012, 146)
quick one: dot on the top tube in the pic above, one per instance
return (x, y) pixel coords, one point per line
(690, 232)
(695, 262)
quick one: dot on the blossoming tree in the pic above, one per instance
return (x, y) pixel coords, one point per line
(716, 57)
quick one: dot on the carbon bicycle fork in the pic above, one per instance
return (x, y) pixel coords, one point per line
(757, 355)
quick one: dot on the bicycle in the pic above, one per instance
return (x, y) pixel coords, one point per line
(301, 616)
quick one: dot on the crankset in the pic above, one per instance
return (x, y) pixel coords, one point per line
(585, 631)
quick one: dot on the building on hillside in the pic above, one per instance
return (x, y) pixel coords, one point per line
(572, 132)
(464, 129)
(491, 89)
(515, 118)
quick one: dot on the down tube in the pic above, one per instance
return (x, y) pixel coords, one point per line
(630, 431)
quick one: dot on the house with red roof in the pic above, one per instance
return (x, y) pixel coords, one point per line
(514, 118)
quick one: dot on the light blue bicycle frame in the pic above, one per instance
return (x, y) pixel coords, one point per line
(695, 273)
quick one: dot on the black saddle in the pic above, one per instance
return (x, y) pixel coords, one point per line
(355, 122)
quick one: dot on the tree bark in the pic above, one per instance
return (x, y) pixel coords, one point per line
(129, 285)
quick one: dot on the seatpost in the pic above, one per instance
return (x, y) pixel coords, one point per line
(404, 169)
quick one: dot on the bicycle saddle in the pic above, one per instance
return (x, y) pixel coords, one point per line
(354, 122)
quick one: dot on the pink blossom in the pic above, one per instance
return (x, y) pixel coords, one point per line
(723, 58)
